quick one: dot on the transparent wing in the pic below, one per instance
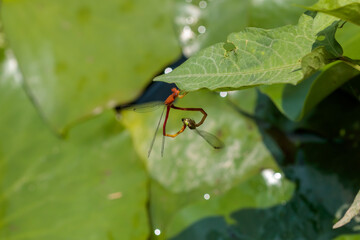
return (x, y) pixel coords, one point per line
(163, 146)
(145, 107)
(210, 138)
(157, 128)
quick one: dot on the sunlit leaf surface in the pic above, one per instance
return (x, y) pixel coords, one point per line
(252, 57)
(79, 57)
(88, 186)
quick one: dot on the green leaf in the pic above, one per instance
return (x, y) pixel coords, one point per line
(260, 57)
(348, 10)
(326, 39)
(67, 49)
(296, 101)
(88, 186)
(350, 213)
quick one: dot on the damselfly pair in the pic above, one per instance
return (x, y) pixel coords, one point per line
(187, 122)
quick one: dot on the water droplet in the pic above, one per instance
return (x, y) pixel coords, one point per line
(277, 176)
(201, 29)
(202, 4)
(11, 65)
(157, 232)
(168, 70)
(270, 177)
(223, 94)
(186, 34)
(206, 196)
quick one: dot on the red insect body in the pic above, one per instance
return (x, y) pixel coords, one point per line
(172, 97)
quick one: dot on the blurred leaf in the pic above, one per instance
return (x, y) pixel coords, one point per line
(81, 57)
(210, 22)
(335, 158)
(342, 128)
(257, 192)
(265, 14)
(190, 162)
(348, 10)
(349, 37)
(296, 101)
(296, 219)
(350, 213)
(89, 186)
(259, 57)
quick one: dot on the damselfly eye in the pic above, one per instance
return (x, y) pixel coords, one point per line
(186, 121)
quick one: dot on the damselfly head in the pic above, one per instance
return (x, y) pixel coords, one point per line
(176, 91)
